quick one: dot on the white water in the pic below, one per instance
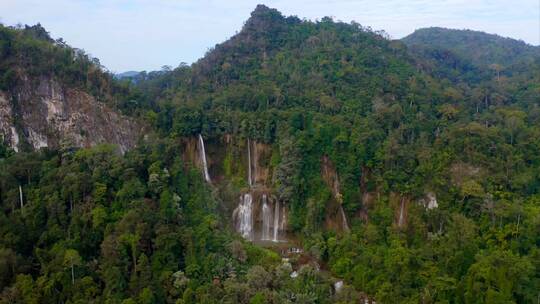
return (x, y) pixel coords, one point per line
(267, 219)
(432, 201)
(345, 223)
(283, 224)
(202, 155)
(338, 285)
(250, 181)
(14, 139)
(400, 223)
(243, 215)
(21, 196)
(276, 222)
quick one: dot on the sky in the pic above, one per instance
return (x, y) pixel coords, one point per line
(148, 34)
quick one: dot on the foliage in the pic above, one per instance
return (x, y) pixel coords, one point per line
(457, 113)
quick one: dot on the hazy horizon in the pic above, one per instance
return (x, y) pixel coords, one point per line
(145, 35)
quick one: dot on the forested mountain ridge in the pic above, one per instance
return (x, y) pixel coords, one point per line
(288, 59)
(52, 95)
(471, 55)
(402, 178)
(481, 48)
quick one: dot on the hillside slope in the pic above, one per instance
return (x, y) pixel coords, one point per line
(415, 156)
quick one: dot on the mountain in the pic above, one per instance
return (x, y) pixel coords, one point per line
(297, 162)
(52, 95)
(288, 62)
(356, 132)
(481, 48)
(470, 55)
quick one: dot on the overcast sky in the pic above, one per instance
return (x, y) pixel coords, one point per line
(147, 34)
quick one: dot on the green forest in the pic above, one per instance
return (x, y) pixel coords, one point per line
(451, 114)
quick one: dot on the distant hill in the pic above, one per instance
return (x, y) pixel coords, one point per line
(128, 74)
(481, 48)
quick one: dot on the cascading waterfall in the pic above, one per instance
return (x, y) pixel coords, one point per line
(276, 222)
(202, 155)
(267, 219)
(243, 215)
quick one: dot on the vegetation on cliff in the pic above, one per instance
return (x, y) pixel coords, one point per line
(401, 122)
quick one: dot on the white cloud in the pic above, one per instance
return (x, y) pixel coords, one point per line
(146, 34)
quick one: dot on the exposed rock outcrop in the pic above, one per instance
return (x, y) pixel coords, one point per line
(44, 113)
(7, 123)
(429, 201)
(335, 215)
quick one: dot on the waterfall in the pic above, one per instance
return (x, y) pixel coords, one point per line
(202, 154)
(345, 224)
(243, 215)
(283, 224)
(250, 181)
(254, 162)
(14, 139)
(432, 201)
(267, 219)
(400, 223)
(338, 286)
(276, 222)
(21, 197)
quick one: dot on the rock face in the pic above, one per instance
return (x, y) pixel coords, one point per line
(429, 201)
(335, 215)
(7, 126)
(239, 170)
(43, 113)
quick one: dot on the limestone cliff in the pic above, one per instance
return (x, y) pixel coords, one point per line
(44, 113)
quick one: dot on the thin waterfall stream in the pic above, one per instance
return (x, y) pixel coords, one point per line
(266, 219)
(250, 180)
(202, 155)
(276, 222)
(344, 218)
(400, 222)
